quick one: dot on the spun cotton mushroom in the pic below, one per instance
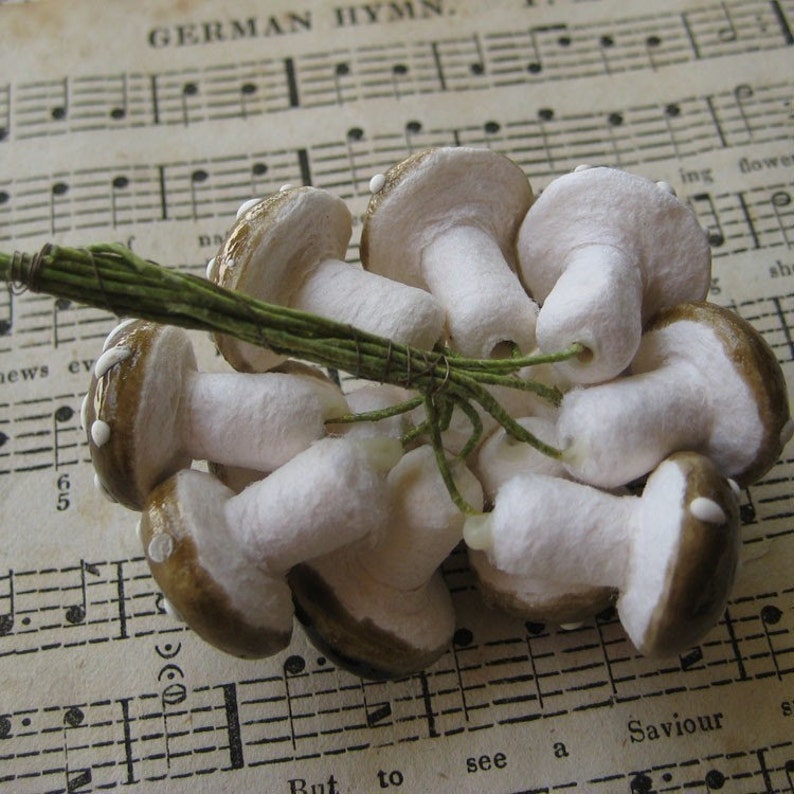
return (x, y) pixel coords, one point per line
(446, 220)
(289, 249)
(672, 553)
(703, 379)
(149, 412)
(221, 559)
(602, 251)
(380, 607)
(537, 598)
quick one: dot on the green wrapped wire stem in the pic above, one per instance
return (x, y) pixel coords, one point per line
(113, 278)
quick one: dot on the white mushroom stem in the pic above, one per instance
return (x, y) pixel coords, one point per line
(684, 392)
(597, 302)
(348, 294)
(486, 305)
(671, 553)
(324, 498)
(424, 525)
(632, 249)
(257, 421)
(547, 527)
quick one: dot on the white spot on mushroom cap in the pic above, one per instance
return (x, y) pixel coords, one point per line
(707, 510)
(210, 266)
(735, 487)
(115, 332)
(571, 626)
(84, 413)
(376, 183)
(667, 187)
(100, 433)
(160, 547)
(110, 358)
(245, 206)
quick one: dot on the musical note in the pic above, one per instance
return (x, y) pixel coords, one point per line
(58, 191)
(5, 727)
(189, 90)
(120, 110)
(76, 613)
(5, 112)
(781, 202)
(258, 170)
(354, 136)
(539, 32)
(714, 779)
(691, 659)
(340, 70)
(728, 32)
(76, 780)
(545, 115)
(7, 617)
(247, 90)
(478, 66)
(411, 129)
(197, 178)
(293, 666)
(398, 72)
(60, 417)
(606, 42)
(118, 185)
(61, 111)
(652, 44)
(641, 784)
(743, 94)
(703, 205)
(377, 713)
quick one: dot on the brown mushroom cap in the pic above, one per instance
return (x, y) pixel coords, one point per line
(137, 398)
(535, 599)
(271, 249)
(435, 190)
(607, 206)
(364, 645)
(684, 558)
(223, 596)
(758, 367)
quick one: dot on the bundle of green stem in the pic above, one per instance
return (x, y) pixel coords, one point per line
(113, 278)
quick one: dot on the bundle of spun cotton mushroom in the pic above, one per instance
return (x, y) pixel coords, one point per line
(540, 598)
(672, 553)
(221, 558)
(289, 249)
(353, 528)
(149, 412)
(379, 606)
(603, 251)
(703, 380)
(446, 220)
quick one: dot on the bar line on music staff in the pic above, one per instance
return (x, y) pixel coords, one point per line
(129, 760)
(734, 642)
(292, 82)
(784, 326)
(236, 756)
(785, 28)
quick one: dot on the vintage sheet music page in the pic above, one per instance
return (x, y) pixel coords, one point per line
(148, 123)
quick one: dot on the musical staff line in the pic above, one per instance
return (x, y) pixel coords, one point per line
(153, 732)
(43, 205)
(479, 61)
